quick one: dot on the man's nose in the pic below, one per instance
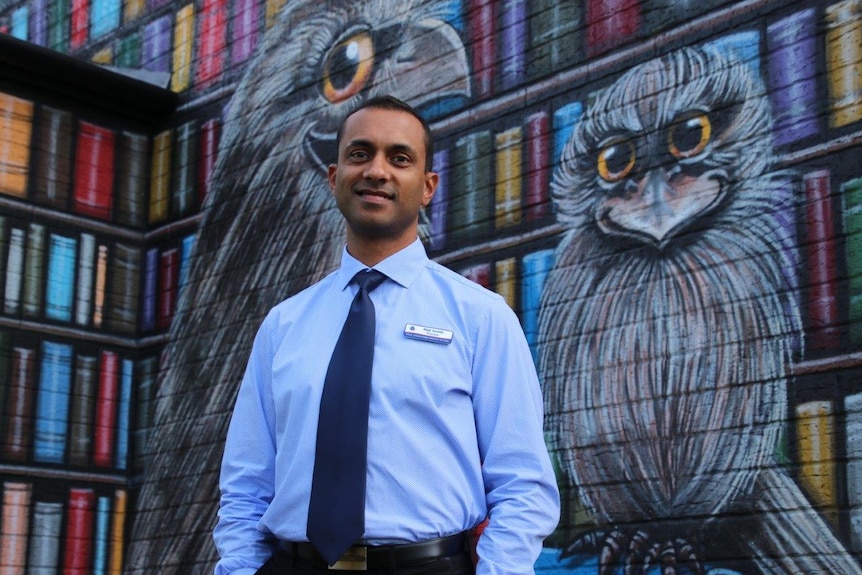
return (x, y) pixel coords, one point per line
(377, 168)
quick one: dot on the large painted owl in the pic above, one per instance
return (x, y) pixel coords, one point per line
(269, 229)
(668, 323)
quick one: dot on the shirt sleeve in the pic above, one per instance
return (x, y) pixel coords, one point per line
(247, 472)
(521, 489)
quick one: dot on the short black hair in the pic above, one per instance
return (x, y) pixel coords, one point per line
(389, 102)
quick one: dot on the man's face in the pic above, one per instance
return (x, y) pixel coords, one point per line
(380, 182)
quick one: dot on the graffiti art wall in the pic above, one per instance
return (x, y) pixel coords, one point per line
(668, 193)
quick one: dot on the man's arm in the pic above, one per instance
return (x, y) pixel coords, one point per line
(247, 471)
(521, 490)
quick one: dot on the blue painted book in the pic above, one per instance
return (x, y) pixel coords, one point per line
(186, 246)
(18, 23)
(123, 415)
(100, 552)
(534, 269)
(61, 277)
(565, 119)
(104, 17)
(743, 45)
(52, 402)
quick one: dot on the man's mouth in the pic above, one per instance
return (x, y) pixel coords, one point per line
(375, 193)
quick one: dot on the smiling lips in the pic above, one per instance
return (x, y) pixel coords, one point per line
(376, 193)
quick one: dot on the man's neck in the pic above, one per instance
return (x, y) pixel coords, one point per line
(371, 253)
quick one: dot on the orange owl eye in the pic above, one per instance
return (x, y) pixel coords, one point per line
(616, 160)
(348, 67)
(689, 137)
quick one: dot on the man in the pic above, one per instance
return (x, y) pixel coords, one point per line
(455, 417)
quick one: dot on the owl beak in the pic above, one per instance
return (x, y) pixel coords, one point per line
(661, 207)
(429, 69)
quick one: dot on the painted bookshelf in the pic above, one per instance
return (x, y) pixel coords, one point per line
(78, 373)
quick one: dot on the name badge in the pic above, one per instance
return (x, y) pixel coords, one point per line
(432, 334)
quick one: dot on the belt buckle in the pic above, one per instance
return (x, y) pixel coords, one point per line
(354, 559)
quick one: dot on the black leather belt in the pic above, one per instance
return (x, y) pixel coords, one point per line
(360, 558)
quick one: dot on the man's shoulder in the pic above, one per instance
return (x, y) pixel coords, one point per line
(306, 295)
(463, 286)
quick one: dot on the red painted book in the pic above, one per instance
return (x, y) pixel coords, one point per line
(169, 267)
(209, 138)
(106, 410)
(483, 43)
(78, 546)
(212, 42)
(610, 23)
(822, 303)
(538, 169)
(80, 23)
(479, 273)
(94, 171)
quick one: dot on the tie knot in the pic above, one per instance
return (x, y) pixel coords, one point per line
(368, 280)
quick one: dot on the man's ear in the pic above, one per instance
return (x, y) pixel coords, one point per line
(431, 181)
(332, 170)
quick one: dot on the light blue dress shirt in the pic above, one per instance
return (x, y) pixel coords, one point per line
(455, 425)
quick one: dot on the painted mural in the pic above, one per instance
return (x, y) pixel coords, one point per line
(666, 192)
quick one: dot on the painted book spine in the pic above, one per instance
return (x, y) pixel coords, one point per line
(94, 172)
(78, 547)
(52, 157)
(34, 271)
(104, 430)
(60, 291)
(792, 55)
(15, 526)
(52, 403)
(19, 405)
(81, 414)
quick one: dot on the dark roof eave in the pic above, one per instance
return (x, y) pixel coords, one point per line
(43, 71)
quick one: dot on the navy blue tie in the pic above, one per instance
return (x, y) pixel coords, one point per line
(336, 513)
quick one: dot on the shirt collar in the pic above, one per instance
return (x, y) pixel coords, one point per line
(402, 267)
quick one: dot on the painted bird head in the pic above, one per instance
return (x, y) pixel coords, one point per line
(660, 152)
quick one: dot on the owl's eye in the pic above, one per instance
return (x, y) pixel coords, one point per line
(348, 67)
(689, 137)
(616, 160)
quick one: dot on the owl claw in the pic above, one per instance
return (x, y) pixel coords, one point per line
(635, 552)
(586, 543)
(670, 555)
